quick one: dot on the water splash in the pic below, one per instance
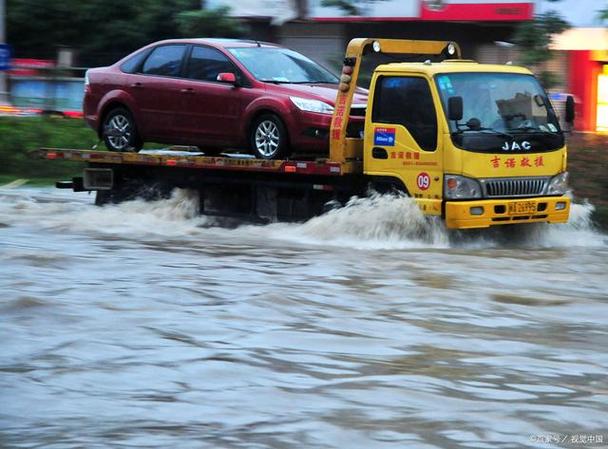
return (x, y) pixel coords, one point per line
(172, 217)
(378, 221)
(396, 222)
(579, 231)
(375, 222)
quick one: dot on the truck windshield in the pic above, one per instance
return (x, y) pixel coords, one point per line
(499, 109)
(280, 65)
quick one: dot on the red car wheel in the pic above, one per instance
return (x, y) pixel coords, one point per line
(119, 131)
(269, 137)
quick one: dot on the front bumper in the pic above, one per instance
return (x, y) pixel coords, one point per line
(310, 131)
(459, 214)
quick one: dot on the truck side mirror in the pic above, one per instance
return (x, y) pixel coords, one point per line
(570, 113)
(455, 108)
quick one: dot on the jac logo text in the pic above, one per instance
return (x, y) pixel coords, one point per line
(514, 146)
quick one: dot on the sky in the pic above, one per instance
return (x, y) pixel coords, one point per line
(581, 13)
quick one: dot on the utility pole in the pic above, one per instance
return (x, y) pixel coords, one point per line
(3, 92)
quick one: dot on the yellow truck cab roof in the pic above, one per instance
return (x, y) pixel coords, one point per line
(450, 66)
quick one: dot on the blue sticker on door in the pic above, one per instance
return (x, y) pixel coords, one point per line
(384, 137)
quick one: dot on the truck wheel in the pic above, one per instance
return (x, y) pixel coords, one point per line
(102, 197)
(120, 132)
(268, 137)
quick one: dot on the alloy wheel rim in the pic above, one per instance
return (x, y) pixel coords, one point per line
(267, 138)
(119, 133)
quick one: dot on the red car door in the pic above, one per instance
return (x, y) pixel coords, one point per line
(154, 91)
(210, 110)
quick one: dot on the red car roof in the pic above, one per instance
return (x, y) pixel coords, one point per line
(219, 42)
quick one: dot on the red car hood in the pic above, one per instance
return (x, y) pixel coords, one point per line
(323, 92)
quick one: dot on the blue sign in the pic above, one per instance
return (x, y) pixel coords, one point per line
(5, 56)
(384, 137)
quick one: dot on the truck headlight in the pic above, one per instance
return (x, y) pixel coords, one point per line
(306, 104)
(558, 184)
(460, 188)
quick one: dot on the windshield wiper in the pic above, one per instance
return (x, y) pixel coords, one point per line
(487, 131)
(315, 82)
(531, 128)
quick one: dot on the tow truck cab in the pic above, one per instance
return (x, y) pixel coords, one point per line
(478, 144)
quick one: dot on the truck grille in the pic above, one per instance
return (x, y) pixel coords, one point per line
(512, 187)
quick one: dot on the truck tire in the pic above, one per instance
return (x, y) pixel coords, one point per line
(268, 137)
(120, 132)
(387, 185)
(103, 197)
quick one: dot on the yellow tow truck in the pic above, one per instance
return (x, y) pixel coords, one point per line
(479, 145)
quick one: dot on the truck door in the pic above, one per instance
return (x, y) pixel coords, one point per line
(402, 137)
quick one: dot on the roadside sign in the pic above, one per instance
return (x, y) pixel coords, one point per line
(5, 56)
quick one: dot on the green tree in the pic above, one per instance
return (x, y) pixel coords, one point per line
(534, 38)
(209, 22)
(104, 30)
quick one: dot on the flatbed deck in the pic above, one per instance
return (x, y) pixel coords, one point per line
(227, 185)
(193, 160)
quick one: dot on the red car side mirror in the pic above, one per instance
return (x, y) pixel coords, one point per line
(226, 77)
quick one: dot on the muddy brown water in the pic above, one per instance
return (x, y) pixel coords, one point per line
(145, 325)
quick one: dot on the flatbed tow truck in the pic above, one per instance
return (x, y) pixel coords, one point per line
(474, 174)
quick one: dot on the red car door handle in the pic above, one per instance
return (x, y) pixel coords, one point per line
(187, 91)
(137, 85)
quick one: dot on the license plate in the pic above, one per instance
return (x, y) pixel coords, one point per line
(522, 207)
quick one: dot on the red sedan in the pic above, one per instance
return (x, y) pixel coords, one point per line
(217, 94)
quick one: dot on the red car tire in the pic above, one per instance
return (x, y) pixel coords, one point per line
(268, 137)
(119, 131)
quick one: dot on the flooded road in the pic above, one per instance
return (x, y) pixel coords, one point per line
(144, 325)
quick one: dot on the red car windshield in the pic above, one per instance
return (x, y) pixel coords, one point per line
(280, 65)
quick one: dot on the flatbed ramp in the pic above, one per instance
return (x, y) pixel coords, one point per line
(183, 159)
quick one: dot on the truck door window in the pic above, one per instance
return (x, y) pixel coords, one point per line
(206, 63)
(165, 60)
(407, 101)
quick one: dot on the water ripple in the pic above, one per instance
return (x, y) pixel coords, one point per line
(144, 325)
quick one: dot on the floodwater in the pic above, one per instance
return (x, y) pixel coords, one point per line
(145, 325)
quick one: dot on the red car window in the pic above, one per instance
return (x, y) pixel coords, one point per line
(165, 60)
(206, 63)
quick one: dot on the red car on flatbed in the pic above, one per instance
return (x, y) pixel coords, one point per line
(216, 94)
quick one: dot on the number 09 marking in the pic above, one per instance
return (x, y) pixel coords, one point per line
(423, 181)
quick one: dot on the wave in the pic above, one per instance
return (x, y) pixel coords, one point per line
(375, 222)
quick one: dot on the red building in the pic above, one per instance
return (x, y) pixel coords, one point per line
(585, 63)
